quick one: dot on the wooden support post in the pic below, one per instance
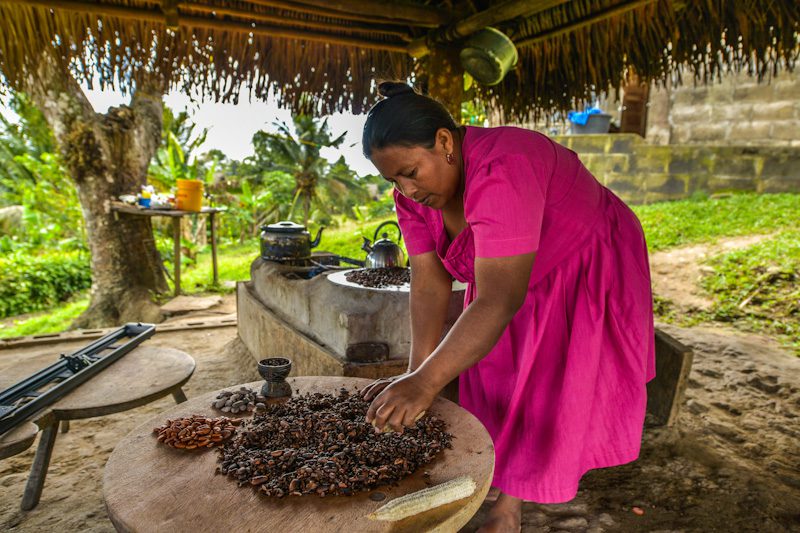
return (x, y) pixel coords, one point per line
(446, 79)
(176, 242)
(212, 222)
(179, 395)
(33, 489)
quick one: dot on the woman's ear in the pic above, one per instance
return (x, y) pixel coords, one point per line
(444, 139)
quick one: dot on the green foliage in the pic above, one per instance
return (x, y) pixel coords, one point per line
(53, 321)
(173, 159)
(32, 175)
(234, 265)
(30, 283)
(322, 190)
(671, 224)
(473, 113)
(759, 287)
(347, 240)
(254, 205)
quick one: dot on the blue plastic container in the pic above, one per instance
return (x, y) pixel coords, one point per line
(597, 123)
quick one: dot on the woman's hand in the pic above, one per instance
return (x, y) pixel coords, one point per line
(375, 388)
(401, 402)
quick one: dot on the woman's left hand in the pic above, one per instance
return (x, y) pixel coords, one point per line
(400, 403)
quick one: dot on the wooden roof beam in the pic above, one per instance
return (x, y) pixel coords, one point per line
(365, 10)
(500, 13)
(249, 16)
(391, 10)
(582, 23)
(286, 32)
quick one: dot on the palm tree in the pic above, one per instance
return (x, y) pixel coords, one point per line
(298, 153)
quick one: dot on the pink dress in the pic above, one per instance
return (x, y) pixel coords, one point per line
(563, 390)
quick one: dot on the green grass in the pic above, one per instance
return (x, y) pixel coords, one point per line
(348, 239)
(53, 320)
(758, 288)
(234, 261)
(684, 222)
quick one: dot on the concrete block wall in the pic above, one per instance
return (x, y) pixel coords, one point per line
(639, 172)
(735, 110)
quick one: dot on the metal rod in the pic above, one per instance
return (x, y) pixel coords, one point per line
(17, 414)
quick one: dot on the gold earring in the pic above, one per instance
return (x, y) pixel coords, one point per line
(450, 159)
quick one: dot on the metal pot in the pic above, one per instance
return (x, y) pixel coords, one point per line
(287, 241)
(488, 55)
(384, 252)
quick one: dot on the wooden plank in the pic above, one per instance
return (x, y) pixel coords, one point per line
(150, 487)
(634, 107)
(57, 338)
(665, 391)
(121, 207)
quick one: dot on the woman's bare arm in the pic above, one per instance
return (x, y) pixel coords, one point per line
(431, 288)
(501, 285)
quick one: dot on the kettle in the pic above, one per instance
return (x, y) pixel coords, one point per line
(384, 252)
(287, 240)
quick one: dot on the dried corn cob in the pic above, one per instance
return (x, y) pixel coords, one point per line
(425, 499)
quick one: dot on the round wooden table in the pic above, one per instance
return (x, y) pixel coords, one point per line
(18, 439)
(151, 487)
(140, 377)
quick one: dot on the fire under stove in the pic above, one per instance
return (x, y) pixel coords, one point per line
(305, 310)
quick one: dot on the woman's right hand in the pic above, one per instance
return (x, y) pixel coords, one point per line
(375, 388)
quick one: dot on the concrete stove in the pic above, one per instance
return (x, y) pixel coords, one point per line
(327, 327)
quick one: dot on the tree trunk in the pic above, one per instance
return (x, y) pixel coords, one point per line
(108, 155)
(306, 207)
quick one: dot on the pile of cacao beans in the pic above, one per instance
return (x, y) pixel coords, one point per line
(321, 444)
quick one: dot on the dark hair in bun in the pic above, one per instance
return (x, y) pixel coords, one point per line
(403, 118)
(394, 88)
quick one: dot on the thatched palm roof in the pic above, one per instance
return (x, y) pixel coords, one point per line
(334, 49)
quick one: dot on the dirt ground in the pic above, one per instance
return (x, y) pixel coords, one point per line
(729, 464)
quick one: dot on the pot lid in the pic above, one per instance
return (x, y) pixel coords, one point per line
(385, 243)
(286, 226)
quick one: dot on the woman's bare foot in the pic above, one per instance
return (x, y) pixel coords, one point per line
(505, 516)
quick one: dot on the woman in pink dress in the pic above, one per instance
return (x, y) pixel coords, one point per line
(556, 342)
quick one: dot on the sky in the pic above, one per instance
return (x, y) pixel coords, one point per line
(231, 127)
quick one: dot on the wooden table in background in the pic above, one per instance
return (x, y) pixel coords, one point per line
(140, 377)
(151, 487)
(176, 216)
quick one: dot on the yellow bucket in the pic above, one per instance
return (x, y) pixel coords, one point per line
(190, 195)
